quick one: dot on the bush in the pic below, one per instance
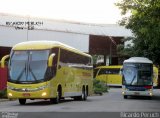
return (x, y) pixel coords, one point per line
(3, 93)
(99, 87)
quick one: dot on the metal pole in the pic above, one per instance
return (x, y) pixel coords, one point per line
(111, 41)
(110, 57)
(27, 26)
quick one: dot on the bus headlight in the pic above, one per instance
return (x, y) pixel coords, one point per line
(151, 94)
(10, 94)
(123, 92)
(44, 94)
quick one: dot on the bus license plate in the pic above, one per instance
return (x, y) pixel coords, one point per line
(136, 93)
(26, 94)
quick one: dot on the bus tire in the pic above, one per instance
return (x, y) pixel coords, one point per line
(54, 100)
(87, 91)
(57, 99)
(84, 95)
(150, 97)
(77, 98)
(125, 96)
(22, 101)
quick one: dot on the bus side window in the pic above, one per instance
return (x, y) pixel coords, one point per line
(102, 71)
(73, 58)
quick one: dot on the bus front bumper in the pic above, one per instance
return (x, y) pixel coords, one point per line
(138, 93)
(29, 95)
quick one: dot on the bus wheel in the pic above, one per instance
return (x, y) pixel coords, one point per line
(150, 97)
(125, 96)
(22, 101)
(55, 100)
(84, 94)
(77, 98)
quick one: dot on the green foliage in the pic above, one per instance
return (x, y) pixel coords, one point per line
(99, 87)
(144, 22)
(125, 51)
(3, 93)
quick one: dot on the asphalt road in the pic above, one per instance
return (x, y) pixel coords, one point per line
(110, 102)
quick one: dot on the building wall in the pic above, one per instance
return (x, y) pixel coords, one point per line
(9, 36)
(72, 33)
(78, 41)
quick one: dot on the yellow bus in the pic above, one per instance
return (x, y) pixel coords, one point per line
(155, 76)
(48, 70)
(109, 74)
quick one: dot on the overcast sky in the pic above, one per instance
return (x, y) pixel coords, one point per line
(88, 11)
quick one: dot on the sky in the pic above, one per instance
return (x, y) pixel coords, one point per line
(87, 11)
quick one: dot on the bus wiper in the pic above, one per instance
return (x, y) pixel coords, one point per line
(19, 77)
(32, 73)
(133, 79)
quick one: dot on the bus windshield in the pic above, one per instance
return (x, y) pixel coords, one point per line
(28, 66)
(137, 74)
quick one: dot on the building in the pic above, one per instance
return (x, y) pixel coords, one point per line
(90, 38)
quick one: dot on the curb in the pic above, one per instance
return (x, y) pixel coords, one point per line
(3, 100)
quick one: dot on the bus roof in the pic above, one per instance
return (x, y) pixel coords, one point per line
(113, 66)
(138, 60)
(39, 45)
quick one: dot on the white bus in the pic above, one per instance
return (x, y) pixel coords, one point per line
(137, 77)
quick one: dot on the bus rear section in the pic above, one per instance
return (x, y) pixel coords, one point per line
(110, 75)
(137, 78)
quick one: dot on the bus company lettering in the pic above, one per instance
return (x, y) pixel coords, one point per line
(139, 115)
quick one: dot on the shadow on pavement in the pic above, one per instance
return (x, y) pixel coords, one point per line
(155, 98)
(45, 102)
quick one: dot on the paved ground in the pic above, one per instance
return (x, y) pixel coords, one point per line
(109, 102)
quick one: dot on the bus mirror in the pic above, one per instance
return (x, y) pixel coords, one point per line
(3, 60)
(50, 60)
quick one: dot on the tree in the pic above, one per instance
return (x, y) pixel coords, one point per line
(144, 23)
